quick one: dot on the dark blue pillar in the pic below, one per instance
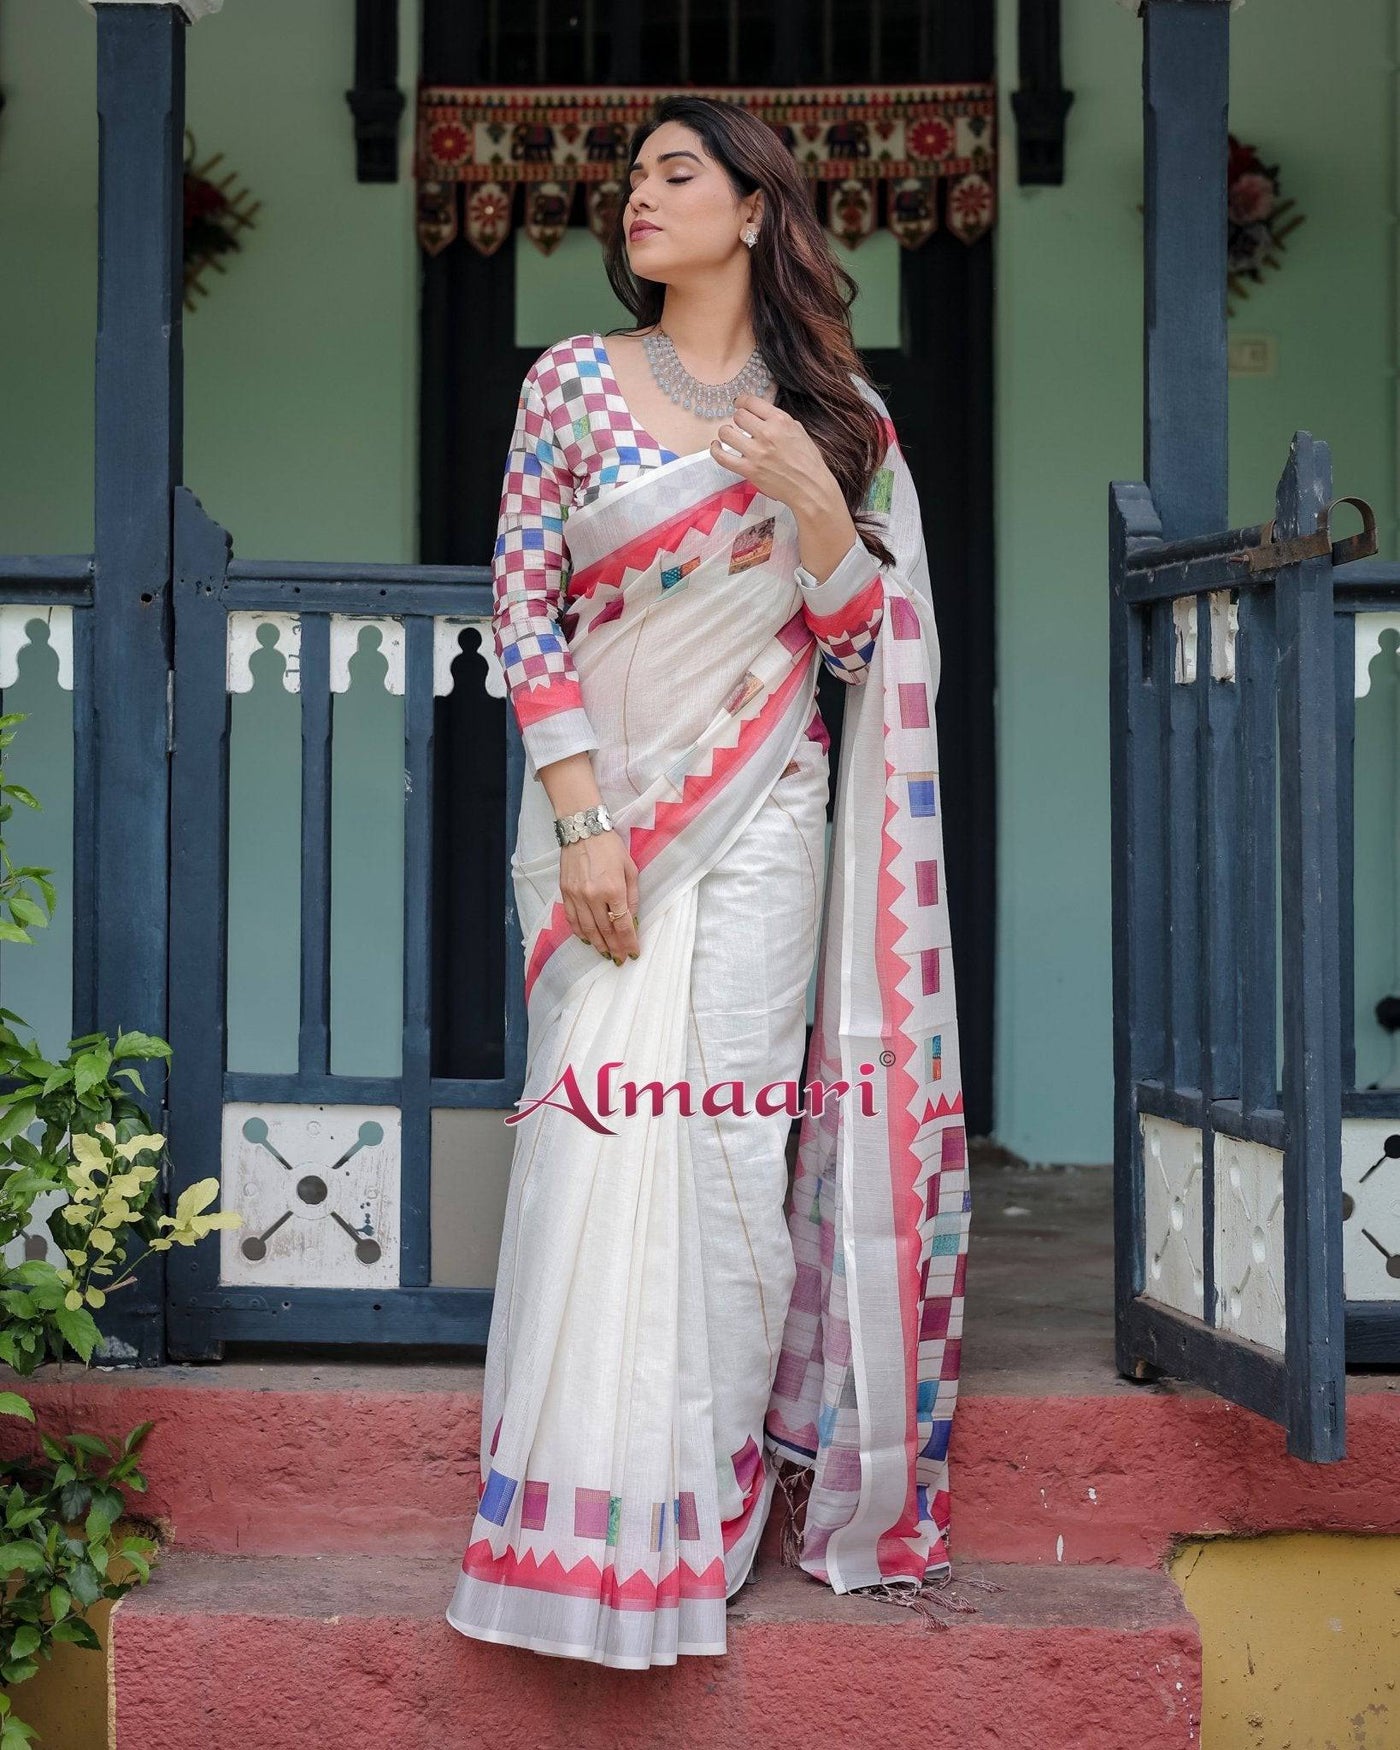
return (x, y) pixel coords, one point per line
(140, 101)
(1185, 94)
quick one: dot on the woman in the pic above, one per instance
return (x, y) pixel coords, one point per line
(676, 558)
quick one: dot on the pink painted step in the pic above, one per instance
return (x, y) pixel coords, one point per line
(364, 1457)
(307, 1653)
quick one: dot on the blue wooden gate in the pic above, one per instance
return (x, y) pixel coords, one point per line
(1232, 693)
(332, 1172)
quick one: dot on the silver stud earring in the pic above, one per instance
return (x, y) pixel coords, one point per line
(749, 235)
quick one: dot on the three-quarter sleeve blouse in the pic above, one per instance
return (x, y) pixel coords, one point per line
(546, 474)
(529, 571)
(845, 609)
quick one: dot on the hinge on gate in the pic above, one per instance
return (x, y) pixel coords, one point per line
(170, 710)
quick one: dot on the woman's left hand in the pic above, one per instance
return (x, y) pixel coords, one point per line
(776, 454)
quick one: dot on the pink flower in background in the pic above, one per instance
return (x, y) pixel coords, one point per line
(1259, 217)
(1252, 198)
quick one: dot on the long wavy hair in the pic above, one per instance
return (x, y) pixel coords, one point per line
(800, 296)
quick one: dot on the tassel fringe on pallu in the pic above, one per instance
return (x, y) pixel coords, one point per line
(926, 1597)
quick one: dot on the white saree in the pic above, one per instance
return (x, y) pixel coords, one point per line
(650, 1362)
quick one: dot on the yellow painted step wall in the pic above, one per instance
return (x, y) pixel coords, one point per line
(1300, 1637)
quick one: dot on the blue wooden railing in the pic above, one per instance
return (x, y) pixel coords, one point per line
(209, 587)
(201, 1310)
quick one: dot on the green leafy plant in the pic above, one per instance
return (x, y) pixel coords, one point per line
(61, 1548)
(87, 1114)
(26, 912)
(97, 1156)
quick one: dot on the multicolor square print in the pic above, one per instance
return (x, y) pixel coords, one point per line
(742, 691)
(573, 437)
(881, 492)
(534, 1503)
(672, 575)
(926, 880)
(591, 1512)
(904, 617)
(496, 1497)
(752, 545)
(913, 705)
(746, 1461)
(687, 1519)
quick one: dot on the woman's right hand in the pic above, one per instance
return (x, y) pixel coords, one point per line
(595, 873)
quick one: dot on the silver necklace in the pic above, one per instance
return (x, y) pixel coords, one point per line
(707, 400)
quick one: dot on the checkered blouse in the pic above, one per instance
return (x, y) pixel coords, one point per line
(574, 436)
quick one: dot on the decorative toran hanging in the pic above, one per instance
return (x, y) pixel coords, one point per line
(864, 148)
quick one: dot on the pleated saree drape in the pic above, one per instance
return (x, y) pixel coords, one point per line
(625, 1475)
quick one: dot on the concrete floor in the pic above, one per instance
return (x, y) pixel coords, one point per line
(1038, 1316)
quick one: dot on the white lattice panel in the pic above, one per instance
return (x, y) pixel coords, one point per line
(1371, 1208)
(1184, 627)
(1368, 645)
(345, 633)
(16, 630)
(284, 634)
(1224, 633)
(447, 631)
(1249, 1241)
(1173, 1213)
(1224, 629)
(318, 1190)
(243, 643)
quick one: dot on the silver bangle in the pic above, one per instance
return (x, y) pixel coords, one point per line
(570, 828)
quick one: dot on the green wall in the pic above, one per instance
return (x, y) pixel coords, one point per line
(1312, 89)
(301, 439)
(48, 154)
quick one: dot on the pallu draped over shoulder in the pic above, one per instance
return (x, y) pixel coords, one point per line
(652, 609)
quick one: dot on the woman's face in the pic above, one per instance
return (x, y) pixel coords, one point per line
(682, 213)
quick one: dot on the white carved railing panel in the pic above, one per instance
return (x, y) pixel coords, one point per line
(345, 641)
(1173, 1214)
(1224, 629)
(16, 622)
(1249, 1250)
(447, 630)
(244, 641)
(318, 1188)
(1368, 645)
